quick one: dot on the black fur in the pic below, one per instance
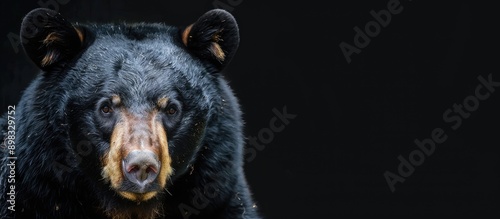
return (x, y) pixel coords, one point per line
(59, 138)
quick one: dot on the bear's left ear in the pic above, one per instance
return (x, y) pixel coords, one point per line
(48, 38)
(213, 37)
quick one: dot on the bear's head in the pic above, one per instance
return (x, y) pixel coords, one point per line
(137, 97)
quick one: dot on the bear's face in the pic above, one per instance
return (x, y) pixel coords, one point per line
(142, 100)
(141, 94)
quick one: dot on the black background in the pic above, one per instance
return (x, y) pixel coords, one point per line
(353, 120)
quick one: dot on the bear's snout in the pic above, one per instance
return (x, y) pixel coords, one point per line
(138, 162)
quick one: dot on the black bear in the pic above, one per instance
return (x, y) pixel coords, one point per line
(126, 120)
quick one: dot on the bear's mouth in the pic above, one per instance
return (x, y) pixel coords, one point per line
(137, 197)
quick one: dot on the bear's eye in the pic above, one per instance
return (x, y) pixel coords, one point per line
(106, 109)
(171, 110)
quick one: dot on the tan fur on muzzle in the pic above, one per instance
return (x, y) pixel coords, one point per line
(136, 133)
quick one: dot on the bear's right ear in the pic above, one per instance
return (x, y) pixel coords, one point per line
(48, 39)
(214, 37)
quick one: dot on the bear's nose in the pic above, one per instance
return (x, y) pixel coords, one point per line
(141, 167)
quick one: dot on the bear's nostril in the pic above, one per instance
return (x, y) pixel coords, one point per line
(132, 169)
(142, 171)
(135, 168)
